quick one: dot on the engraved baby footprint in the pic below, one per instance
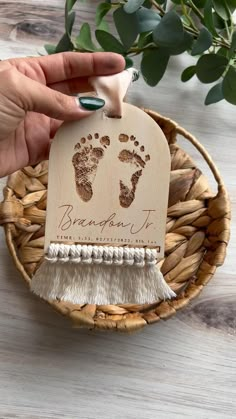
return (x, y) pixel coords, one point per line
(134, 158)
(86, 162)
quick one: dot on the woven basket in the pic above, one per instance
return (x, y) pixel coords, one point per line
(197, 233)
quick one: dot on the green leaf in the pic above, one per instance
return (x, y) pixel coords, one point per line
(129, 62)
(233, 45)
(132, 5)
(170, 31)
(188, 73)
(147, 19)
(103, 26)
(208, 17)
(69, 5)
(153, 65)
(182, 46)
(229, 86)
(108, 42)
(221, 9)
(69, 22)
(127, 26)
(215, 94)
(218, 22)
(51, 49)
(144, 39)
(199, 3)
(64, 44)
(69, 17)
(147, 4)
(231, 5)
(223, 51)
(203, 42)
(210, 67)
(84, 39)
(101, 11)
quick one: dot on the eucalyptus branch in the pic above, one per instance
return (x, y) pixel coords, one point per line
(157, 34)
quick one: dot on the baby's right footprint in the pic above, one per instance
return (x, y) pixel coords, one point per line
(86, 161)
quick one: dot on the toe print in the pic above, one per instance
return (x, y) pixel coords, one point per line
(138, 161)
(86, 162)
(123, 138)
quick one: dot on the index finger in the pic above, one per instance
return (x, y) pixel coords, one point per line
(69, 65)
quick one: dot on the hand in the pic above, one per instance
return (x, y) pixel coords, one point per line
(34, 100)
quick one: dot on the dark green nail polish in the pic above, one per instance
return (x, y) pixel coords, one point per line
(91, 103)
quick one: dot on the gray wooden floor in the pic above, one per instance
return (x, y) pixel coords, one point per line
(184, 367)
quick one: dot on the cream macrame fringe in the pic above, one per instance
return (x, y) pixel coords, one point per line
(100, 284)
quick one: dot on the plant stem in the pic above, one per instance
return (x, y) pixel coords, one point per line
(231, 26)
(190, 30)
(187, 16)
(227, 30)
(218, 43)
(158, 7)
(137, 50)
(196, 10)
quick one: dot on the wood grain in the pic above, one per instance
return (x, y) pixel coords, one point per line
(185, 367)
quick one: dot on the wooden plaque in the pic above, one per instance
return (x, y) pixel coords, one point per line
(109, 182)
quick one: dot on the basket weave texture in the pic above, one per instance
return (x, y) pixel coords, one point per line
(197, 234)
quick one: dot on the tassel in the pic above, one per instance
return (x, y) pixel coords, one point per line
(100, 275)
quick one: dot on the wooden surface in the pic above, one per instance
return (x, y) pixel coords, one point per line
(182, 368)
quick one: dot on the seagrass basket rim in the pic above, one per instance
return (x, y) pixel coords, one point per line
(213, 236)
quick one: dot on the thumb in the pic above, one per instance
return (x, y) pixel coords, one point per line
(33, 96)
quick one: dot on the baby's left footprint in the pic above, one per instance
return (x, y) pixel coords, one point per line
(137, 161)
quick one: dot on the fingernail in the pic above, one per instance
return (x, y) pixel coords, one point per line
(91, 103)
